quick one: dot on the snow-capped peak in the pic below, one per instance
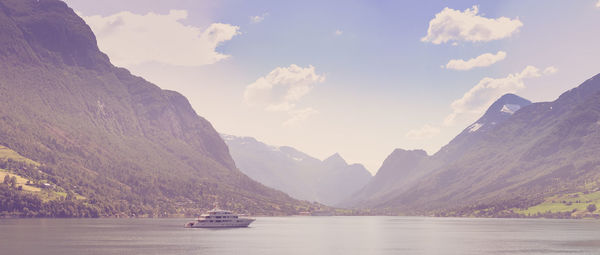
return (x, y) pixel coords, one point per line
(227, 137)
(475, 127)
(510, 108)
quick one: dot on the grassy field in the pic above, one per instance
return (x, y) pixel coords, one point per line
(564, 203)
(6, 153)
(44, 194)
(20, 181)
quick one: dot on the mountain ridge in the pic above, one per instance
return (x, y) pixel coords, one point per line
(296, 173)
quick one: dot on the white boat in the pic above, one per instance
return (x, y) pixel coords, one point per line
(217, 218)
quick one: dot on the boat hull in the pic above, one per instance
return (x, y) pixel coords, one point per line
(241, 223)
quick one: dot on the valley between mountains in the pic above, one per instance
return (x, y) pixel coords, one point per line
(80, 137)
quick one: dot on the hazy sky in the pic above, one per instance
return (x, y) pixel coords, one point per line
(355, 77)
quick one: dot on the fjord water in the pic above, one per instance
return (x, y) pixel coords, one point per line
(302, 235)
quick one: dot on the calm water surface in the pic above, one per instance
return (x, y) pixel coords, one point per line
(302, 235)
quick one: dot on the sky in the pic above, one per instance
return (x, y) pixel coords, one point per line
(359, 78)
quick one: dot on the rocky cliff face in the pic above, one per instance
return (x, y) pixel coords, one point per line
(105, 133)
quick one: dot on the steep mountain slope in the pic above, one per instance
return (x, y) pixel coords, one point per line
(402, 168)
(541, 150)
(496, 114)
(117, 140)
(397, 170)
(296, 173)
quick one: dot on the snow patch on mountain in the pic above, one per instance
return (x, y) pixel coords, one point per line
(475, 127)
(227, 137)
(510, 108)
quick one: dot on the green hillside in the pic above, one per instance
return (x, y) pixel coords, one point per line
(112, 142)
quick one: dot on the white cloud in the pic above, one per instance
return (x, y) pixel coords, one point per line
(424, 132)
(130, 39)
(259, 18)
(482, 95)
(456, 25)
(299, 116)
(282, 88)
(598, 4)
(550, 70)
(482, 60)
(338, 32)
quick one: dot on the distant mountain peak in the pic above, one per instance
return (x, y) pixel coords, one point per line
(501, 110)
(335, 159)
(302, 176)
(227, 137)
(508, 103)
(417, 152)
(498, 112)
(401, 156)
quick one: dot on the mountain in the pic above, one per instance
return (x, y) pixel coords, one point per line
(339, 180)
(501, 110)
(282, 168)
(540, 151)
(402, 168)
(113, 142)
(396, 171)
(296, 173)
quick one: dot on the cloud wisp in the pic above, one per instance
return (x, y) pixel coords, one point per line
(455, 25)
(258, 18)
(130, 39)
(475, 101)
(282, 89)
(425, 132)
(483, 60)
(550, 70)
(298, 116)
